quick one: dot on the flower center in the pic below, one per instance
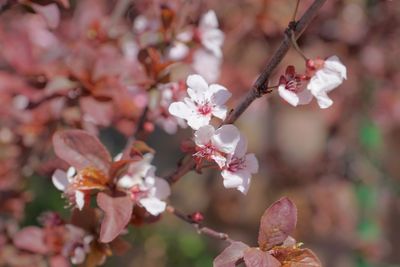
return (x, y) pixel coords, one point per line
(204, 109)
(293, 85)
(205, 151)
(236, 164)
(137, 193)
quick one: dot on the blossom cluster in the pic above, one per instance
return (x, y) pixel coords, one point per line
(225, 145)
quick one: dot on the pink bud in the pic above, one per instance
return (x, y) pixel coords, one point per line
(197, 217)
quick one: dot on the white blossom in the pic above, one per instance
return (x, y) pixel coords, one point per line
(211, 37)
(239, 167)
(62, 181)
(205, 101)
(145, 187)
(214, 144)
(325, 79)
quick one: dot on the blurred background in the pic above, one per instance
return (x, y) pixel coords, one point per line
(340, 166)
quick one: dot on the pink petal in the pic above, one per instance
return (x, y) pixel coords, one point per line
(251, 163)
(197, 87)
(50, 13)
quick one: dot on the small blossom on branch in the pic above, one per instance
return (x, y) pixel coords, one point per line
(215, 145)
(291, 88)
(328, 75)
(205, 101)
(239, 167)
(144, 187)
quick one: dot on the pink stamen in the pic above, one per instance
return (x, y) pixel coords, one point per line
(236, 164)
(204, 109)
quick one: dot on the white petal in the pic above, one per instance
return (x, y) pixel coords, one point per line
(79, 199)
(219, 112)
(185, 36)
(288, 96)
(179, 109)
(220, 160)
(178, 51)
(71, 172)
(226, 138)
(239, 180)
(126, 182)
(305, 97)
(241, 147)
(207, 64)
(196, 82)
(333, 63)
(251, 163)
(197, 120)
(218, 95)
(209, 20)
(162, 188)
(323, 100)
(153, 205)
(203, 135)
(60, 180)
(213, 39)
(78, 256)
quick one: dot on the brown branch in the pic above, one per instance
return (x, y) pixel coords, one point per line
(260, 87)
(200, 229)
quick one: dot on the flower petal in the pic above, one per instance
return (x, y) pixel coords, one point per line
(178, 51)
(251, 163)
(203, 135)
(241, 147)
(207, 64)
(196, 121)
(153, 205)
(212, 39)
(218, 95)
(220, 112)
(197, 87)
(162, 188)
(60, 180)
(305, 97)
(209, 20)
(79, 199)
(179, 109)
(333, 63)
(226, 138)
(289, 96)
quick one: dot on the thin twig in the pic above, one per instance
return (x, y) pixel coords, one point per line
(200, 229)
(296, 46)
(295, 10)
(260, 87)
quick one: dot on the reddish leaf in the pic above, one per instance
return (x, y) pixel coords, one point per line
(297, 257)
(31, 239)
(254, 257)
(277, 222)
(81, 149)
(117, 213)
(230, 255)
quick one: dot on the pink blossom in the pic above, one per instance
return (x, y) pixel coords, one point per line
(326, 78)
(145, 187)
(214, 144)
(239, 167)
(205, 101)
